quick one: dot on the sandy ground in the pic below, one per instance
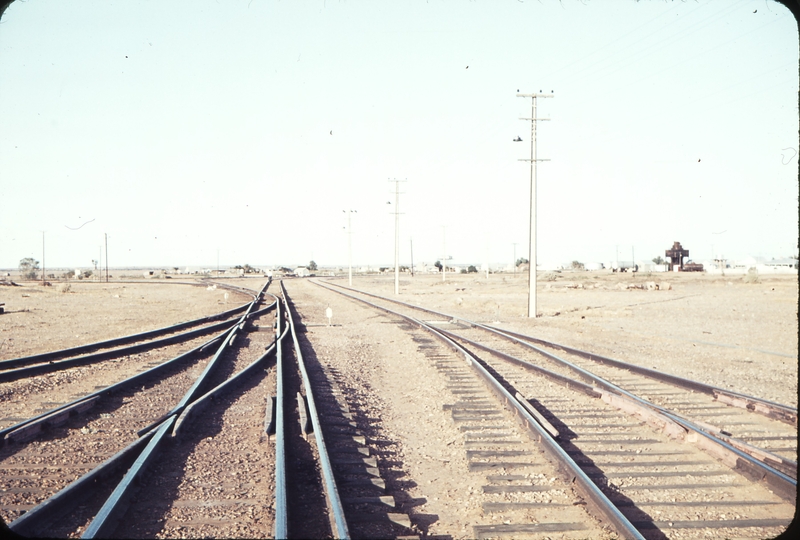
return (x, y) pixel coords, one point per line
(39, 319)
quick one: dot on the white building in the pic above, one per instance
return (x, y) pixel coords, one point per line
(778, 266)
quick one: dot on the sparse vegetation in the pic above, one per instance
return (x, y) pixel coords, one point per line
(577, 265)
(28, 267)
(312, 266)
(659, 260)
(438, 264)
(246, 268)
(550, 276)
(751, 276)
(520, 261)
(66, 287)
(472, 269)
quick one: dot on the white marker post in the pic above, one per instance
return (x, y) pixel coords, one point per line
(329, 314)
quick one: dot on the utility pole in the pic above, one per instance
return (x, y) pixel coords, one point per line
(412, 256)
(396, 235)
(106, 237)
(444, 252)
(532, 312)
(349, 246)
(486, 258)
(42, 257)
(514, 264)
(217, 262)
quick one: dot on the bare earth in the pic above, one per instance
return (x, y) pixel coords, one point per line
(39, 319)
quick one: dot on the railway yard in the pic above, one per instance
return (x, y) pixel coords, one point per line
(633, 407)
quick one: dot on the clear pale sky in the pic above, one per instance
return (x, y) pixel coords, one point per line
(182, 128)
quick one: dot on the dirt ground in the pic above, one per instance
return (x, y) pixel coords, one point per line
(721, 330)
(39, 318)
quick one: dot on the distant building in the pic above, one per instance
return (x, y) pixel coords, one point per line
(778, 266)
(302, 271)
(622, 266)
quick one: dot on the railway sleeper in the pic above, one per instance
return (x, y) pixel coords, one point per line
(29, 431)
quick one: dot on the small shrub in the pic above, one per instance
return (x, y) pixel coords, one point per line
(65, 288)
(751, 276)
(550, 276)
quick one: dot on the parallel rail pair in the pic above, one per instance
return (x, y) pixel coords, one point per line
(136, 456)
(754, 467)
(134, 459)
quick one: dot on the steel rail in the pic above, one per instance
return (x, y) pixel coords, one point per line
(737, 459)
(198, 404)
(38, 369)
(72, 351)
(112, 388)
(4, 432)
(747, 464)
(107, 518)
(772, 409)
(775, 468)
(601, 504)
(768, 408)
(59, 504)
(331, 490)
(281, 527)
(227, 340)
(202, 282)
(236, 288)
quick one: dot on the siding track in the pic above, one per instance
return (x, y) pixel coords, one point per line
(681, 465)
(98, 448)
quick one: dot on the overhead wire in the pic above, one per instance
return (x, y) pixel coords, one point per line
(639, 54)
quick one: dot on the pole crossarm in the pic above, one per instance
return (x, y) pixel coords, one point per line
(535, 95)
(536, 119)
(532, 159)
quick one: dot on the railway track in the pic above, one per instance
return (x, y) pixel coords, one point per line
(685, 462)
(353, 487)
(63, 457)
(243, 453)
